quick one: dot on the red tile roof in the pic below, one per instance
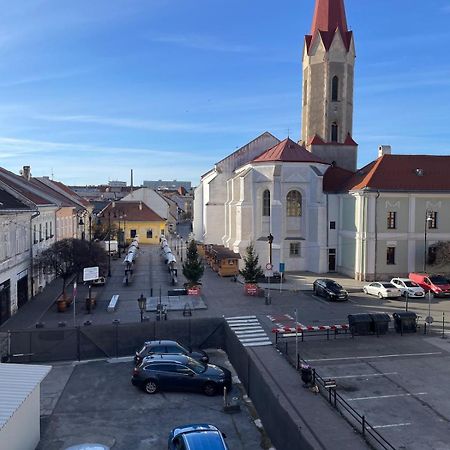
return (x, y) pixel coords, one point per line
(72, 193)
(403, 173)
(329, 16)
(288, 151)
(135, 211)
(335, 179)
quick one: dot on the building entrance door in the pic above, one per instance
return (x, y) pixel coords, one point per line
(5, 301)
(332, 260)
(22, 291)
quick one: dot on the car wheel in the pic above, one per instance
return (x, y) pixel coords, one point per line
(151, 386)
(209, 389)
(380, 295)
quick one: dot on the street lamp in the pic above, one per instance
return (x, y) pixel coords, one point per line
(270, 240)
(428, 220)
(181, 249)
(109, 243)
(142, 303)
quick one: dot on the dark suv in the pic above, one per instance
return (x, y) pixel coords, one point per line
(168, 347)
(330, 289)
(179, 372)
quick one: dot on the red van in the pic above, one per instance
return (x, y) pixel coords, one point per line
(439, 285)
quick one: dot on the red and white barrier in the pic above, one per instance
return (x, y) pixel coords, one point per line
(303, 329)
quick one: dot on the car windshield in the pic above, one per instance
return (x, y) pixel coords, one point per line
(333, 284)
(411, 284)
(196, 366)
(388, 285)
(205, 440)
(438, 279)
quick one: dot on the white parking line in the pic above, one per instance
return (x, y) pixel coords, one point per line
(384, 396)
(375, 356)
(392, 425)
(363, 375)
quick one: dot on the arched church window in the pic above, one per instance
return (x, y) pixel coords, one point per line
(334, 132)
(266, 203)
(305, 92)
(335, 89)
(294, 204)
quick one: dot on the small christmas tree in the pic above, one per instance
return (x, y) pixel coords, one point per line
(252, 270)
(193, 266)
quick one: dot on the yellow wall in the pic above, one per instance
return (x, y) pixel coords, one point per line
(141, 230)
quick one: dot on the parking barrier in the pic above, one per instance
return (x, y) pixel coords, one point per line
(326, 330)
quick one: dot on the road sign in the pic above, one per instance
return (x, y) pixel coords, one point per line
(281, 268)
(268, 273)
(429, 320)
(90, 273)
(269, 266)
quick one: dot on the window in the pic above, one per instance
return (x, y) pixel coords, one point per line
(390, 256)
(335, 89)
(332, 225)
(46, 230)
(40, 233)
(35, 234)
(149, 234)
(305, 92)
(432, 254)
(392, 220)
(294, 249)
(294, 204)
(334, 132)
(432, 220)
(133, 233)
(162, 232)
(266, 203)
(51, 229)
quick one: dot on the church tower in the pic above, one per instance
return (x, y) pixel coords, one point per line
(328, 77)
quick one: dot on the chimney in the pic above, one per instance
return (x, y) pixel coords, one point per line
(384, 150)
(132, 180)
(26, 172)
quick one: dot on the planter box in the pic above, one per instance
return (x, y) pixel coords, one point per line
(193, 291)
(251, 289)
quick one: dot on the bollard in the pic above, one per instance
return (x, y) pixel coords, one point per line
(443, 326)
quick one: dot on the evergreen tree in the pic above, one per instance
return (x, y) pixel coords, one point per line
(193, 266)
(252, 270)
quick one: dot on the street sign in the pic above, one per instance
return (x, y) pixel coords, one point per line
(429, 320)
(90, 273)
(281, 268)
(268, 273)
(269, 266)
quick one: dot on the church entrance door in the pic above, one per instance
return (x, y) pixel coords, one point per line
(332, 260)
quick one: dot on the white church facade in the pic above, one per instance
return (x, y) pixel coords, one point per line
(323, 213)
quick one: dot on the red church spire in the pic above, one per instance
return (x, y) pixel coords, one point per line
(329, 16)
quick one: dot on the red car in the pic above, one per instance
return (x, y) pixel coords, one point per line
(439, 285)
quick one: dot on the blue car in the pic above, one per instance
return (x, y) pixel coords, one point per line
(197, 437)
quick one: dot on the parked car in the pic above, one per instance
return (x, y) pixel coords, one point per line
(168, 347)
(197, 437)
(100, 281)
(382, 289)
(179, 372)
(330, 289)
(409, 287)
(437, 284)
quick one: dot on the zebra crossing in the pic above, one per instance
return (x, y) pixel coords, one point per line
(249, 331)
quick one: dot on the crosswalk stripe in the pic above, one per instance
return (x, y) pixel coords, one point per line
(259, 339)
(244, 332)
(256, 344)
(234, 322)
(240, 317)
(246, 327)
(241, 337)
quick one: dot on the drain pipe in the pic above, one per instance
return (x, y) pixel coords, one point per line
(33, 216)
(376, 234)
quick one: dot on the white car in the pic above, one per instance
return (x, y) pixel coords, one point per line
(409, 287)
(382, 289)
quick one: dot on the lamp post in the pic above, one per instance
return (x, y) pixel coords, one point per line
(109, 243)
(428, 219)
(181, 250)
(270, 240)
(142, 303)
(119, 236)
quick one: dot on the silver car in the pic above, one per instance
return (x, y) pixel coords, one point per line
(409, 287)
(382, 289)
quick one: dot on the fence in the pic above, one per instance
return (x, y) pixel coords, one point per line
(358, 421)
(107, 341)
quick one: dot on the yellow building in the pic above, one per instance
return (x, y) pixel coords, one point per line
(135, 218)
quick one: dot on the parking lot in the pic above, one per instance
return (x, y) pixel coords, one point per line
(95, 402)
(399, 383)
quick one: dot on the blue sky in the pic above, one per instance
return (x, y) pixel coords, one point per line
(92, 89)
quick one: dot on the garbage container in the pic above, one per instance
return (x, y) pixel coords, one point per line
(306, 373)
(405, 322)
(360, 324)
(380, 323)
(176, 292)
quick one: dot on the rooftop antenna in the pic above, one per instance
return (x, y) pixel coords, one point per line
(131, 179)
(52, 174)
